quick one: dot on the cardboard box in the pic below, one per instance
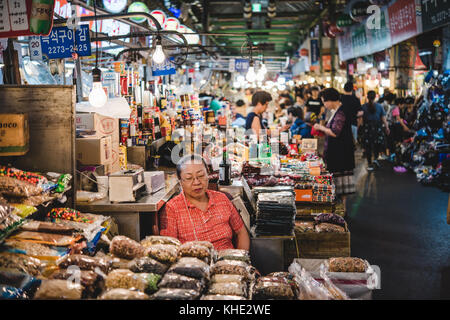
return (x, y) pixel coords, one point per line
(14, 134)
(94, 151)
(103, 126)
(115, 151)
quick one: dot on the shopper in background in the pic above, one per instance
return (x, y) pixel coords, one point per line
(409, 112)
(254, 121)
(352, 107)
(248, 96)
(299, 126)
(201, 214)
(373, 136)
(339, 149)
(314, 103)
(299, 102)
(241, 108)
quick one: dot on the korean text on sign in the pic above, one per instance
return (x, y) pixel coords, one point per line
(60, 42)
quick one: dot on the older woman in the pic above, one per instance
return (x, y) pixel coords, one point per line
(201, 214)
(339, 150)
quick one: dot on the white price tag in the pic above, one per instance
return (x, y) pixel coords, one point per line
(35, 48)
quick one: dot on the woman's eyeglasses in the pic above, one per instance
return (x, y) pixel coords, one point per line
(190, 180)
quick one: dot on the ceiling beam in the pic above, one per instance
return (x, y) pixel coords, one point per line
(220, 16)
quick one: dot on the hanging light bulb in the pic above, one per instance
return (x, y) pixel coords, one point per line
(260, 75)
(263, 68)
(158, 55)
(97, 97)
(251, 75)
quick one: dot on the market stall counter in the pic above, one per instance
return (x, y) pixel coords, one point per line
(135, 219)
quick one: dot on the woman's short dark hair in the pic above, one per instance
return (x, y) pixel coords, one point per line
(261, 97)
(296, 112)
(330, 94)
(240, 103)
(190, 158)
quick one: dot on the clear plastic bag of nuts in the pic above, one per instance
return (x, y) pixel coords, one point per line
(196, 249)
(164, 253)
(191, 267)
(126, 248)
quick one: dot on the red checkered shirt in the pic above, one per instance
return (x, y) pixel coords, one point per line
(216, 225)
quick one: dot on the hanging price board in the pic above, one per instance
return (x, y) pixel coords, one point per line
(60, 42)
(241, 65)
(25, 17)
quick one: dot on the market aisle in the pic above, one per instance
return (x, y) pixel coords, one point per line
(400, 225)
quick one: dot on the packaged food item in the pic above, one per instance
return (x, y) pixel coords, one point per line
(49, 227)
(85, 262)
(195, 249)
(308, 287)
(228, 288)
(164, 253)
(36, 250)
(22, 281)
(118, 263)
(329, 227)
(9, 221)
(147, 265)
(207, 244)
(92, 283)
(334, 291)
(10, 293)
(126, 248)
(58, 289)
(21, 263)
(87, 196)
(175, 294)
(347, 264)
(31, 200)
(68, 214)
(191, 267)
(330, 218)
(273, 288)
(221, 297)
(304, 226)
(234, 254)
(63, 182)
(231, 267)
(5, 210)
(123, 278)
(22, 210)
(123, 294)
(17, 188)
(46, 238)
(152, 240)
(152, 281)
(177, 281)
(221, 278)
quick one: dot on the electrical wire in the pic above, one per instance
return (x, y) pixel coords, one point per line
(96, 33)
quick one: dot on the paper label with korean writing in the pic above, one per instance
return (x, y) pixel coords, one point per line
(18, 15)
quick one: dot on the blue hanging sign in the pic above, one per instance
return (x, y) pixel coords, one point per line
(314, 43)
(241, 65)
(60, 42)
(163, 69)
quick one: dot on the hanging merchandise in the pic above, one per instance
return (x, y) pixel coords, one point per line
(114, 6)
(138, 7)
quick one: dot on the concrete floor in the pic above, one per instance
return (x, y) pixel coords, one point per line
(400, 225)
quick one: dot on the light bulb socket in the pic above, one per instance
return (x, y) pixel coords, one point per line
(158, 40)
(96, 75)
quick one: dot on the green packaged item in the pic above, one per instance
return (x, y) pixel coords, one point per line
(63, 182)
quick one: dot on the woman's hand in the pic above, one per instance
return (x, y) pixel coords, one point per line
(318, 127)
(285, 127)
